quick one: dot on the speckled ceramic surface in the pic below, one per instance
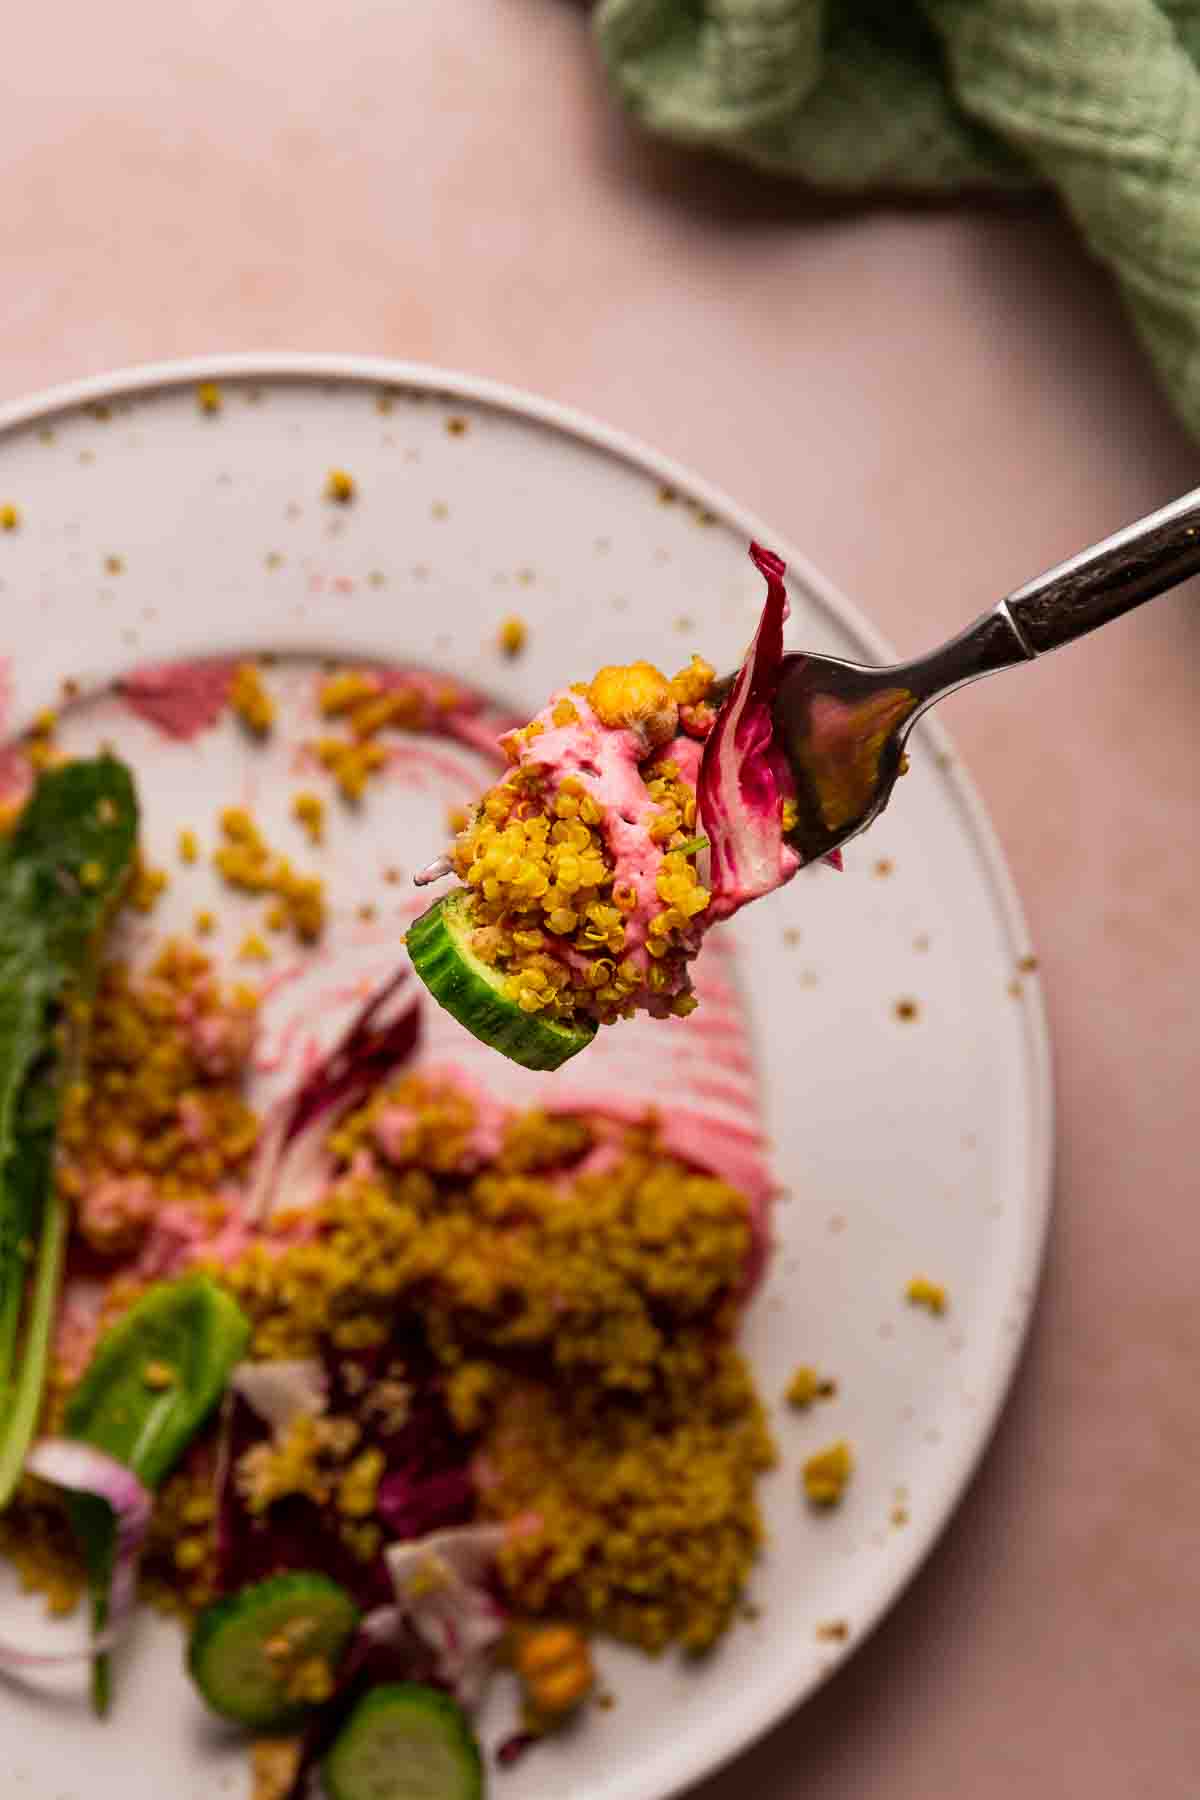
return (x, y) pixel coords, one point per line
(900, 1069)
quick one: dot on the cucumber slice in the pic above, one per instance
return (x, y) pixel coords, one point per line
(474, 992)
(261, 1656)
(404, 1742)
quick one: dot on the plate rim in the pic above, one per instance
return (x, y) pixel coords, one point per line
(769, 1704)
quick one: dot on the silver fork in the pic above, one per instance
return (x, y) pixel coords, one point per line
(843, 726)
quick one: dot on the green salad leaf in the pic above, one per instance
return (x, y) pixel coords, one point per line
(155, 1377)
(62, 872)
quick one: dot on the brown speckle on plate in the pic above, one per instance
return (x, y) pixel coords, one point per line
(791, 937)
(906, 1010)
(833, 1631)
(684, 624)
(667, 495)
(100, 410)
(439, 510)
(209, 399)
(1015, 988)
(86, 457)
(114, 565)
(1028, 965)
(899, 1515)
(456, 425)
(46, 434)
(273, 559)
(884, 866)
(385, 400)
(376, 578)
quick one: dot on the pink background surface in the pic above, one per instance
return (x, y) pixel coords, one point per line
(936, 404)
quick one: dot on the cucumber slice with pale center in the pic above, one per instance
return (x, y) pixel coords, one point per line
(404, 1742)
(263, 1655)
(439, 945)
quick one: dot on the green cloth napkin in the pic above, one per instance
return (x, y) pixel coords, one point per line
(1098, 99)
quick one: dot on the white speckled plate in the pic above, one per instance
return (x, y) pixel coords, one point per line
(901, 1045)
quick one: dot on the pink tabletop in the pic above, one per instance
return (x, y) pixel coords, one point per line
(937, 405)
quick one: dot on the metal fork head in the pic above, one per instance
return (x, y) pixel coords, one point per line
(843, 726)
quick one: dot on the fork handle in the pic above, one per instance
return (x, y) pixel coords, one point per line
(1145, 559)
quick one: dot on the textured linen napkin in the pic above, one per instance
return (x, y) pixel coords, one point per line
(1097, 99)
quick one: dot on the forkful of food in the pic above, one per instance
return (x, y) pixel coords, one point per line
(638, 811)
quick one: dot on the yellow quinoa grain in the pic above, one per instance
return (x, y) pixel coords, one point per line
(308, 809)
(254, 949)
(513, 636)
(929, 1294)
(10, 516)
(250, 700)
(826, 1474)
(209, 398)
(189, 846)
(340, 487)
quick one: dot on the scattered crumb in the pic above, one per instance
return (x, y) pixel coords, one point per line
(1028, 965)
(366, 912)
(10, 517)
(114, 565)
(906, 1010)
(806, 1386)
(439, 510)
(340, 487)
(392, 875)
(899, 1516)
(247, 863)
(274, 559)
(834, 1631)
(70, 689)
(209, 398)
(203, 922)
(606, 1701)
(513, 636)
(884, 866)
(456, 425)
(826, 1474)
(145, 886)
(308, 809)
(930, 1294)
(250, 700)
(254, 949)
(189, 846)
(791, 937)
(100, 410)
(1015, 988)
(376, 578)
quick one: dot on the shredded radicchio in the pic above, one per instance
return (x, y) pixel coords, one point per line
(291, 1160)
(427, 1485)
(744, 776)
